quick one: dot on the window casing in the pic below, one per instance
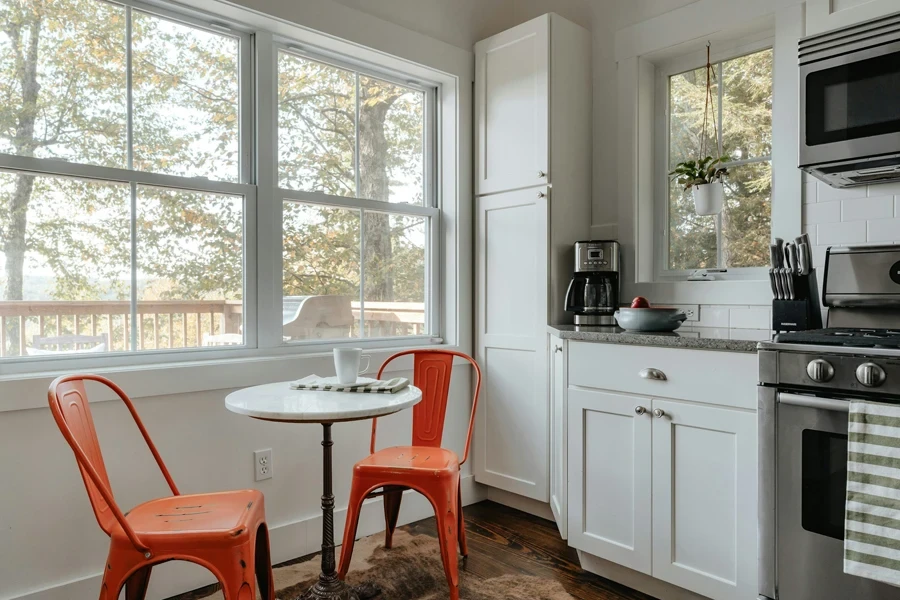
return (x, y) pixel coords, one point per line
(239, 187)
(738, 238)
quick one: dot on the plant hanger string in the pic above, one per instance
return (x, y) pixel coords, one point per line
(706, 111)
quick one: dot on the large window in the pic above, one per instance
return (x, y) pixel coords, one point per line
(742, 108)
(130, 169)
(359, 212)
(122, 195)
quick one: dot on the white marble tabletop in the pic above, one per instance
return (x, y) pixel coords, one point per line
(278, 402)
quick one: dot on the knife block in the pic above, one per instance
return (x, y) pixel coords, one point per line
(802, 313)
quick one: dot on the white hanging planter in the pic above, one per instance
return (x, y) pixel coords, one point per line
(708, 198)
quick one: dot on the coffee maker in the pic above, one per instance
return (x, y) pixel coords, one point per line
(593, 293)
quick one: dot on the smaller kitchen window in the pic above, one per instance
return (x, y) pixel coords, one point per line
(737, 239)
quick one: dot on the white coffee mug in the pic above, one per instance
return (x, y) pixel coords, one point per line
(346, 364)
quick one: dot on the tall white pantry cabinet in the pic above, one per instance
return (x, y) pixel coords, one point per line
(533, 188)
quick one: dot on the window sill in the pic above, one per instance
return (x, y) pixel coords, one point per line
(742, 292)
(29, 391)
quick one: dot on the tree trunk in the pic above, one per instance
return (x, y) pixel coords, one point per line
(375, 184)
(14, 242)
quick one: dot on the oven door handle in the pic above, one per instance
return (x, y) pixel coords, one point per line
(814, 402)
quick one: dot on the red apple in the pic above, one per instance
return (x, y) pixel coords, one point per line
(640, 302)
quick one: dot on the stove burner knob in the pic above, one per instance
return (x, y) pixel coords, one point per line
(870, 374)
(820, 370)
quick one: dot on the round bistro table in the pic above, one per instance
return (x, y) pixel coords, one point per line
(278, 402)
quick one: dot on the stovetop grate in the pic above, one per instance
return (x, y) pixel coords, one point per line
(848, 337)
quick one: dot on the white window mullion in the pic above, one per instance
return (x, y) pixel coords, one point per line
(362, 272)
(269, 238)
(129, 95)
(134, 279)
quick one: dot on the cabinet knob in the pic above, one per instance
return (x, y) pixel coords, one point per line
(654, 374)
(541, 194)
(541, 174)
(557, 348)
(639, 410)
(659, 413)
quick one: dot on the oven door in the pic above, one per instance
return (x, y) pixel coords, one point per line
(849, 106)
(811, 488)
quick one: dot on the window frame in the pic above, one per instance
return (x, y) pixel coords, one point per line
(430, 208)
(260, 37)
(662, 126)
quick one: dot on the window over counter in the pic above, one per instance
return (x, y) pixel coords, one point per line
(738, 238)
(355, 161)
(124, 186)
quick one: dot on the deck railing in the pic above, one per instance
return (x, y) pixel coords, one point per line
(59, 326)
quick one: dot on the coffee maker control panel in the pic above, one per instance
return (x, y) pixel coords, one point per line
(593, 257)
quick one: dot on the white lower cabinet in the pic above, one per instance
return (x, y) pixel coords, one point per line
(664, 487)
(559, 479)
(609, 477)
(704, 499)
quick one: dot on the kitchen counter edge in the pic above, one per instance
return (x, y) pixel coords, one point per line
(615, 335)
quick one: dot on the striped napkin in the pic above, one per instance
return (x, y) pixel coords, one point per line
(329, 384)
(872, 524)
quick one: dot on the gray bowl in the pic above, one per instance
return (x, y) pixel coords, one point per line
(650, 319)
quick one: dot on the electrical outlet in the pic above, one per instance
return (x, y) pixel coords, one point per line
(262, 463)
(691, 310)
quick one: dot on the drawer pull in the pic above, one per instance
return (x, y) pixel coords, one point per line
(654, 374)
(639, 410)
(659, 413)
(557, 348)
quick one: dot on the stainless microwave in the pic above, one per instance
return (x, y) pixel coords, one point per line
(850, 104)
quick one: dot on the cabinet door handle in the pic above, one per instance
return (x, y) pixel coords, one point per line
(541, 194)
(541, 174)
(659, 413)
(557, 348)
(639, 410)
(654, 374)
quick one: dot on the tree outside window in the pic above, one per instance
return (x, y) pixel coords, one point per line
(742, 106)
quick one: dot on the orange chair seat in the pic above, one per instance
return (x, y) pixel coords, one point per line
(410, 461)
(217, 518)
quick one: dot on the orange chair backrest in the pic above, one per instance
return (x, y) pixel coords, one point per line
(71, 409)
(431, 374)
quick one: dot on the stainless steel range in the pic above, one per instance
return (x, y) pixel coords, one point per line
(807, 379)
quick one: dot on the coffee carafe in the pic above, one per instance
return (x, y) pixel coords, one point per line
(593, 293)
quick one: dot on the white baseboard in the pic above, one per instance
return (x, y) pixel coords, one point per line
(634, 579)
(287, 541)
(532, 507)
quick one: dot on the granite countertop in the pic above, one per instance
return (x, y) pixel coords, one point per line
(697, 338)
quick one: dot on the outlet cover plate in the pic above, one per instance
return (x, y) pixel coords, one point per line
(691, 310)
(262, 462)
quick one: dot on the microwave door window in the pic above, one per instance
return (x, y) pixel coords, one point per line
(853, 101)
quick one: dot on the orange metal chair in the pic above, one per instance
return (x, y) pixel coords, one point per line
(225, 532)
(423, 466)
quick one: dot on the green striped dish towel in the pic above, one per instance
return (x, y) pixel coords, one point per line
(872, 524)
(328, 384)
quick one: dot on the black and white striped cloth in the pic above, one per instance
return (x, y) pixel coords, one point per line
(327, 384)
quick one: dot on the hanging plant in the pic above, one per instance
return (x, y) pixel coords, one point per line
(704, 176)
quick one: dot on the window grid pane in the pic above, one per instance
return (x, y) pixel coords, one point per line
(739, 236)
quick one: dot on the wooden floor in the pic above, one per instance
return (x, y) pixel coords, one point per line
(505, 541)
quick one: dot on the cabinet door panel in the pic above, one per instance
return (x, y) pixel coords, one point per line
(609, 477)
(512, 108)
(558, 450)
(512, 425)
(704, 499)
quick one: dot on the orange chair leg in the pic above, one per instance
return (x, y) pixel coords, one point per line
(136, 584)
(445, 511)
(460, 522)
(357, 495)
(393, 495)
(263, 564)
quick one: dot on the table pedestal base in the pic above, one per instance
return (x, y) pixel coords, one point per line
(329, 587)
